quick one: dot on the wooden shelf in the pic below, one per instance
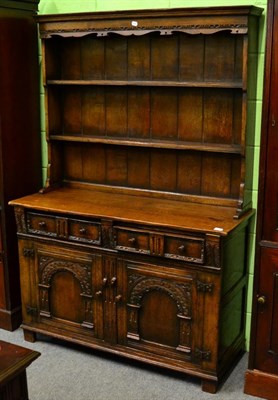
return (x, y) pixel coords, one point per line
(148, 83)
(209, 147)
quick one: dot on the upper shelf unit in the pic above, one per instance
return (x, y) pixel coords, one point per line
(114, 77)
(132, 90)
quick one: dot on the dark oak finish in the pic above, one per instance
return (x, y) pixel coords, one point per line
(262, 375)
(13, 363)
(20, 160)
(137, 243)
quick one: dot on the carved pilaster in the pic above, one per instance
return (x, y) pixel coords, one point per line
(106, 233)
(185, 334)
(88, 313)
(20, 219)
(133, 315)
(213, 256)
(44, 300)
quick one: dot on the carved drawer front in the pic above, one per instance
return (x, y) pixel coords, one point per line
(185, 248)
(132, 240)
(84, 231)
(41, 224)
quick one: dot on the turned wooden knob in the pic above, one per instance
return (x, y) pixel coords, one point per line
(118, 298)
(113, 280)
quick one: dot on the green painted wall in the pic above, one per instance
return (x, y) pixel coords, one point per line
(254, 102)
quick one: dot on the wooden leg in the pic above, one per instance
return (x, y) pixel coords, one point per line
(209, 386)
(29, 336)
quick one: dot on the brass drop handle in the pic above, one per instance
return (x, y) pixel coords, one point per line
(104, 281)
(261, 299)
(132, 240)
(181, 248)
(118, 298)
(98, 293)
(82, 231)
(42, 224)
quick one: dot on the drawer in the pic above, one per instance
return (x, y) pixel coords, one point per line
(84, 231)
(132, 240)
(41, 224)
(185, 248)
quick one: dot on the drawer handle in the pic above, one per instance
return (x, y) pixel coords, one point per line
(98, 293)
(82, 231)
(132, 240)
(181, 248)
(104, 281)
(42, 225)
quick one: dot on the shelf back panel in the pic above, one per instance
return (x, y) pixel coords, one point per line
(197, 173)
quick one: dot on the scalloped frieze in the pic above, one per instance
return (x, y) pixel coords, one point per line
(143, 30)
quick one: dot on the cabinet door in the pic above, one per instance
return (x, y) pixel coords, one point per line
(267, 313)
(166, 310)
(270, 211)
(58, 287)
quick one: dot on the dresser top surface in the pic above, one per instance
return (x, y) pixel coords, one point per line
(135, 209)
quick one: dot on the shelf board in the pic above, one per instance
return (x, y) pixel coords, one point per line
(174, 145)
(148, 83)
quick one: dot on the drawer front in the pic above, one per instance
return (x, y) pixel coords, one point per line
(184, 248)
(41, 224)
(132, 240)
(84, 231)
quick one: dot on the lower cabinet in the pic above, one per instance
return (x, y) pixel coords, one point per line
(261, 378)
(183, 316)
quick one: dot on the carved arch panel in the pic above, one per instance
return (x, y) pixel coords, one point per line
(81, 271)
(178, 293)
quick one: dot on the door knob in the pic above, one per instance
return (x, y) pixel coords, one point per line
(261, 300)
